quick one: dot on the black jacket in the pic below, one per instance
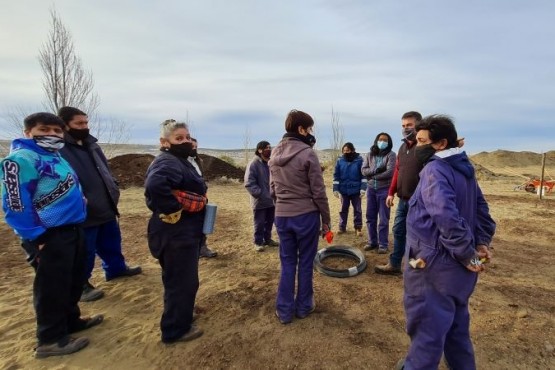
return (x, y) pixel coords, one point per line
(99, 186)
(166, 173)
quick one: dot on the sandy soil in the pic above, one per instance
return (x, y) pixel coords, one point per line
(358, 322)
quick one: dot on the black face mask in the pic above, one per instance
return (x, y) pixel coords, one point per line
(194, 153)
(424, 153)
(349, 157)
(310, 140)
(80, 134)
(183, 150)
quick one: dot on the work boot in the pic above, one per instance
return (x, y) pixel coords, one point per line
(358, 231)
(259, 248)
(383, 250)
(71, 345)
(387, 269)
(207, 252)
(341, 231)
(90, 293)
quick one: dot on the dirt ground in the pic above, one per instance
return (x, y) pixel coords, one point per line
(358, 323)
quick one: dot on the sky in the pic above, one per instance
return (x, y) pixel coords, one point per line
(234, 69)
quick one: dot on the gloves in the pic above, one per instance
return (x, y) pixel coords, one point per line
(380, 169)
(171, 218)
(336, 194)
(362, 193)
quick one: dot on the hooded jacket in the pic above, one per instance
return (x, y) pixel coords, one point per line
(447, 212)
(257, 183)
(99, 186)
(296, 181)
(40, 190)
(347, 177)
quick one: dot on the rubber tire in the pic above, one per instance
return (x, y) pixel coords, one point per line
(343, 251)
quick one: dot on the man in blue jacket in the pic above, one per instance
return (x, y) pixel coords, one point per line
(257, 183)
(43, 202)
(449, 231)
(102, 232)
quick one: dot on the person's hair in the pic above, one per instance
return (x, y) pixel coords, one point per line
(440, 127)
(375, 150)
(169, 126)
(67, 113)
(42, 117)
(412, 114)
(261, 146)
(350, 146)
(296, 119)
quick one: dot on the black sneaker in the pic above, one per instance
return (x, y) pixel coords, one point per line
(58, 349)
(90, 293)
(370, 247)
(129, 271)
(271, 243)
(207, 252)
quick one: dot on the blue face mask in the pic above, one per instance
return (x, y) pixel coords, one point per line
(382, 144)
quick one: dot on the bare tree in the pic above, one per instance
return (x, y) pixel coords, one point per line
(338, 135)
(113, 132)
(247, 144)
(65, 83)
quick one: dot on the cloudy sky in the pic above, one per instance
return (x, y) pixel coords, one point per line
(235, 68)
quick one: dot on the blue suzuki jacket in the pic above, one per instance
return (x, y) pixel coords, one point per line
(40, 190)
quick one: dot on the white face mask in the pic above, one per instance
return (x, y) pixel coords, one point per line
(49, 142)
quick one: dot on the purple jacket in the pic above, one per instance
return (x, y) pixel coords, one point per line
(447, 212)
(296, 181)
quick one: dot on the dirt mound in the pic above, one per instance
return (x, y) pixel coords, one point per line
(129, 169)
(505, 158)
(214, 168)
(483, 173)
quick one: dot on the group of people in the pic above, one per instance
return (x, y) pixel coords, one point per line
(442, 221)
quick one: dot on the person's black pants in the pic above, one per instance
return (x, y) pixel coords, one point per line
(59, 280)
(179, 262)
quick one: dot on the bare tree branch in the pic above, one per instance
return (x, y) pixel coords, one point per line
(338, 135)
(65, 83)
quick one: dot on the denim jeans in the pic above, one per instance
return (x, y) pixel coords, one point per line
(399, 233)
(104, 240)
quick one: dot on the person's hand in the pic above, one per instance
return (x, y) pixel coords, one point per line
(380, 169)
(389, 201)
(325, 230)
(475, 265)
(362, 193)
(336, 194)
(484, 252)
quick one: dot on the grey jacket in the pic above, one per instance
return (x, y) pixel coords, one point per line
(371, 162)
(296, 181)
(257, 183)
